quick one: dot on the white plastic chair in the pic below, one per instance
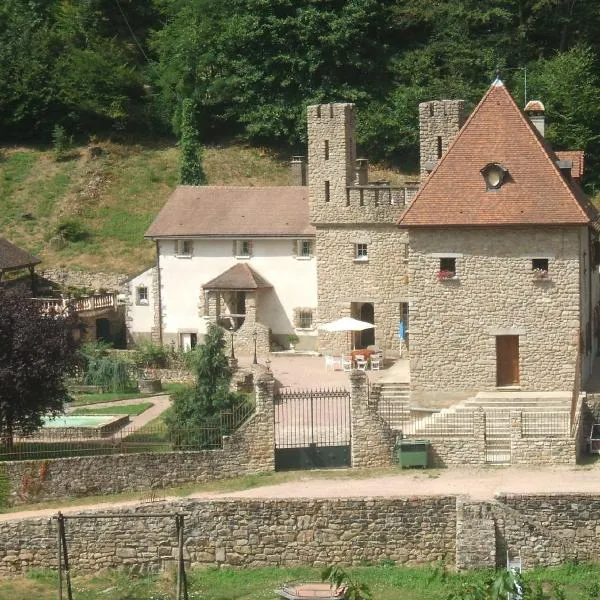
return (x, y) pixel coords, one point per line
(346, 363)
(329, 362)
(375, 362)
(361, 362)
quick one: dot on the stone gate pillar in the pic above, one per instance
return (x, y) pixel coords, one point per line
(372, 439)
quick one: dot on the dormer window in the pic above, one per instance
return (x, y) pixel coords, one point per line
(494, 175)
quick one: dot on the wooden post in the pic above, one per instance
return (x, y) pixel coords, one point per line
(182, 592)
(63, 537)
(59, 545)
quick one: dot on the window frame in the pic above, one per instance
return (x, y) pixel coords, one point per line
(139, 300)
(361, 252)
(299, 249)
(447, 268)
(239, 248)
(181, 251)
(540, 268)
(304, 318)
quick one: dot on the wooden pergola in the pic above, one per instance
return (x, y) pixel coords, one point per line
(13, 258)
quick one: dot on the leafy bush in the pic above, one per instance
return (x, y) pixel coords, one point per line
(150, 355)
(109, 372)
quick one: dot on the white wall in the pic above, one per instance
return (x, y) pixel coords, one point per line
(294, 281)
(140, 317)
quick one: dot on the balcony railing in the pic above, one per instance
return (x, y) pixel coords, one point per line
(80, 305)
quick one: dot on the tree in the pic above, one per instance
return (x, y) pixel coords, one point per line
(568, 85)
(192, 172)
(36, 353)
(200, 405)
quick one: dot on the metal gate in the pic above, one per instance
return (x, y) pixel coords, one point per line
(312, 429)
(497, 437)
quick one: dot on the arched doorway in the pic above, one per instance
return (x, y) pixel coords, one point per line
(367, 336)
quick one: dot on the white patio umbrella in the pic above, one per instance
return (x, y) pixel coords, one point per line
(346, 324)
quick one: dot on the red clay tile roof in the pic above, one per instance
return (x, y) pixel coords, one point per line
(577, 156)
(215, 211)
(12, 257)
(535, 192)
(238, 277)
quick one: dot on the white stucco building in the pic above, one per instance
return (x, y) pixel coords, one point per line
(241, 257)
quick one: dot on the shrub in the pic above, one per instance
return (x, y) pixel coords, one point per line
(108, 372)
(150, 355)
(198, 407)
(72, 230)
(61, 143)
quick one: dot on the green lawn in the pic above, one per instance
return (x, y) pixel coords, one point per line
(125, 409)
(387, 582)
(85, 399)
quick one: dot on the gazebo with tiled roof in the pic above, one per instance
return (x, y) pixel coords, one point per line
(13, 258)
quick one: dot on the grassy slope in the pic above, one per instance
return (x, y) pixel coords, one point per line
(116, 196)
(387, 582)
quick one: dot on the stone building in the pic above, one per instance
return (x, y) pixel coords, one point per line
(503, 261)
(362, 256)
(489, 272)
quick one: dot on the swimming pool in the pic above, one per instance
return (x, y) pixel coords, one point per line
(78, 421)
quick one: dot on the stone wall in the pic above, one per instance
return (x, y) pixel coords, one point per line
(372, 439)
(549, 529)
(111, 282)
(244, 533)
(475, 535)
(348, 214)
(248, 450)
(543, 449)
(493, 294)
(544, 529)
(438, 119)
(346, 283)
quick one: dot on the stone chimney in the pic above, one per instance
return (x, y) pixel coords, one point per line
(362, 171)
(537, 115)
(299, 170)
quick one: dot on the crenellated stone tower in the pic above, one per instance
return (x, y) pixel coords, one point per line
(439, 122)
(361, 255)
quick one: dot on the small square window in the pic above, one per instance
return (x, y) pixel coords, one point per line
(361, 252)
(243, 248)
(539, 268)
(447, 268)
(304, 248)
(141, 295)
(304, 318)
(185, 248)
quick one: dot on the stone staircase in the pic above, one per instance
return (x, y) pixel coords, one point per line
(552, 410)
(392, 402)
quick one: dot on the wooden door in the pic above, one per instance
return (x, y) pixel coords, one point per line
(507, 360)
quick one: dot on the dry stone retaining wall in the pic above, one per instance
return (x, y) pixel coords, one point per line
(86, 279)
(544, 529)
(244, 533)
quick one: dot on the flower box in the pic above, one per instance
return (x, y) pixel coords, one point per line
(540, 273)
(445, 275)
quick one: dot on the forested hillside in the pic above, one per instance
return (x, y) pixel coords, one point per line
(121, 67)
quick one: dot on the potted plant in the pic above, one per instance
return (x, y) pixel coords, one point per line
(444, 274)
(540, 273)
(292, 339)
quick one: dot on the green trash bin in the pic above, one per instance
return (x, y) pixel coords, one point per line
(412, 453)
